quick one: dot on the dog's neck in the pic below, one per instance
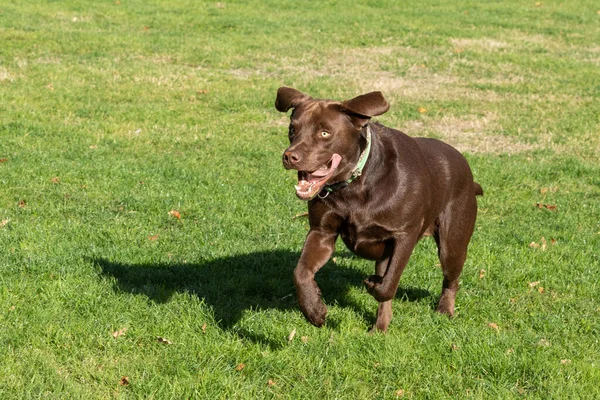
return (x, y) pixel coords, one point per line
(356, 172)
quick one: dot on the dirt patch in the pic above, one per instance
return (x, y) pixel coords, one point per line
(483, 44)
(5, 75)
(468, 134)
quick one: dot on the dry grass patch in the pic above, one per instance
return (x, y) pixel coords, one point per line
(5, 75)
(470, 134)
(480, 44)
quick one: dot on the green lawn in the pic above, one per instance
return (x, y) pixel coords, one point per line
(142, 196)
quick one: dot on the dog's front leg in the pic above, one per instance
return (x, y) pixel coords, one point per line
(383, 287)
(318, 248)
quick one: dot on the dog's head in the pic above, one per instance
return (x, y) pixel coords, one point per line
(325, 136)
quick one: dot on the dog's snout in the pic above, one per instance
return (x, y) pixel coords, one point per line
(290, 158)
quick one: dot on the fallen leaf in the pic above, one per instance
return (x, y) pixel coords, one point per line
(481, 273)
(544, 343)
(175, 213)
(534, 245)
(202, 91)
(124, 381)
(146, 28)
(153, 237)
(301, 215)
(565, 361)
(458, 51)
(55, 180)
(399, 393)
(541, 289)
(494, 326)
(422, 110)
(4, 222)
(552, 242)
(271, 382)
(220, 5)
(203, 327)
(93, 147)
(22, 203)
(163, 340)
(50, 86)
(454, 347)
(543, 190)
(291, 335)
(550, 207)
(534, 284)
(120, 332)
(240, 367)
(3, 160)
(539, 3)
(118, 2)
(544, 243)
(304, 339)
(510, 351)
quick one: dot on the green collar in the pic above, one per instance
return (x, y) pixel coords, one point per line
(356, 172)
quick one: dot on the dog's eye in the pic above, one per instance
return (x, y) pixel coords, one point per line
(325, 134)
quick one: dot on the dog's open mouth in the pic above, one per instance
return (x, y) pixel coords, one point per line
(311, 183)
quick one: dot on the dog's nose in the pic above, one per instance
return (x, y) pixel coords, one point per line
(291, 158)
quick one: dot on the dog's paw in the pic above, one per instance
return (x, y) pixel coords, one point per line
(375, 288)
(316, 314)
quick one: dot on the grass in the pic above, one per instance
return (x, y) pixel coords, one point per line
(115, 113)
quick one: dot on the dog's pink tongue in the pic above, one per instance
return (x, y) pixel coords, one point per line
(325, 170)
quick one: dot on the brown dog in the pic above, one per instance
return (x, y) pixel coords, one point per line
(378, 188)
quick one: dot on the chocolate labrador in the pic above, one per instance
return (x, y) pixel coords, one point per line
(380, 190)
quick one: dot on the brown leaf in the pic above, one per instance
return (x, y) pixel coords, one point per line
(50, 86)
(550, 207)
(146, 28)
(153, 237)
(175, 213)
(534, 245)
(203, 327)
(422, 110)
(291, 335)
(494, 326)
(120, 332)
(565, 361)
(510, 351)
(552, 242)
(399, 393)
(202, 91)
(481, 273)
(534, 284)
(93, 147)
(124, 381)
(22, 203)
(304, 339)
(543, 190)
(454, 347)
(163, 340)
(271, 382)
(3, 160)
(4, 222)
(458, 51)
(541, 289)
(55, 180)
(240, 367)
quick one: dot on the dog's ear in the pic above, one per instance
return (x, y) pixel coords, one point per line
(362, 108)
(288, 97)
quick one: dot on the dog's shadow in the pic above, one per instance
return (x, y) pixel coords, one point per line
(231, 285)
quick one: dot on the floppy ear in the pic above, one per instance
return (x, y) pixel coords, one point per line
(362, 108)
(288, 97)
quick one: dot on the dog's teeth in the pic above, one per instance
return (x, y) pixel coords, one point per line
(297, 187)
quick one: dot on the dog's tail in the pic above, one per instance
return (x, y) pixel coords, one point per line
(478, 189)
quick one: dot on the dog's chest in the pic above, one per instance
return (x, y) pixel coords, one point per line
(365, 238)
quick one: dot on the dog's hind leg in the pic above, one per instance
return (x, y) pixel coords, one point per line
(452, 237)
